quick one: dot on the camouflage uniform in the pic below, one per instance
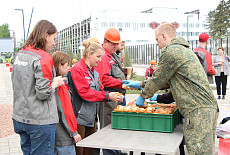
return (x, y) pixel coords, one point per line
(180, 69)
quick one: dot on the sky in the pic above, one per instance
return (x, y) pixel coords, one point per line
(68, 12)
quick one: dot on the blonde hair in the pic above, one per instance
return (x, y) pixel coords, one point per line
(60, 58)
(166, 28)
(90, 47)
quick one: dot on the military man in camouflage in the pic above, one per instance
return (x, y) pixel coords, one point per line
(180, 69)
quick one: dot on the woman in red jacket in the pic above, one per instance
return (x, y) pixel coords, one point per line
(87, 92)
(66, 130)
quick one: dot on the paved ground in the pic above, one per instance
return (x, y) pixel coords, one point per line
(10, 143)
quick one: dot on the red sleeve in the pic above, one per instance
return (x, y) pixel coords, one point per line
(83, 87)
(209, 63)
(104, 69)
(146, 72)
(69, 120)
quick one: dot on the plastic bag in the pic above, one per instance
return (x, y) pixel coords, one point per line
(223, 129)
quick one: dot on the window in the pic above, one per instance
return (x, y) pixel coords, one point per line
(197, 25)
(120, 29)
(127, 24)
(112, 24)
(142, 25)
(119, 24)
(104, 24)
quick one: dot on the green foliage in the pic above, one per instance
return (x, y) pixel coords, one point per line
(78, 57)
(127, 61)
(4, 31)
(218, 21)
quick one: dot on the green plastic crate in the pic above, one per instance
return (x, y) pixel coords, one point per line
(145, 121)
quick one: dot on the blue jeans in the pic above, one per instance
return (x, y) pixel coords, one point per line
(36, 139)
(65, 150)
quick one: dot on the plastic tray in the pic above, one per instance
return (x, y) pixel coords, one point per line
(145, 121)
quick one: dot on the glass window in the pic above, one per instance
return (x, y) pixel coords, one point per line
(112, 24)
(104, 24)
(127, 24)
(119, 24)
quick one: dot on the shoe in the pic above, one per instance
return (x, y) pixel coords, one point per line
(218, 97)
(223, 97)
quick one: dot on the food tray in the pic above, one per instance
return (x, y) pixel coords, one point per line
(145, 121)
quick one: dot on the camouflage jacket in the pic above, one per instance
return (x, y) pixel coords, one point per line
(180, 69)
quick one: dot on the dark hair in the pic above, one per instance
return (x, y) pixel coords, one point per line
(60, 58)
(220, 48)
(37, 38)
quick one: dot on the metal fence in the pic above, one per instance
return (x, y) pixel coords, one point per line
(143, 54)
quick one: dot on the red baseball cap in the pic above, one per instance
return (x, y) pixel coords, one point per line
(203, 37)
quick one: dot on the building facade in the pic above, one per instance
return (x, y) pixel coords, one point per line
(135, 28)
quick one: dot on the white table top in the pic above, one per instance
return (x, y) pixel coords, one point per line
(141, 141)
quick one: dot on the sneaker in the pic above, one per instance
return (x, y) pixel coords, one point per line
(218, 97)
(223, 97)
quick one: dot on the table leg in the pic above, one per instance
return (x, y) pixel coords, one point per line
(181, 147)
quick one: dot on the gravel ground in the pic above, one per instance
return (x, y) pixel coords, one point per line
(6, 123)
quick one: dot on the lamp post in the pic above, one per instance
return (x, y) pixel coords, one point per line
(188, 26)
(23, 21)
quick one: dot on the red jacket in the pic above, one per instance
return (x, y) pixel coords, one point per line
(81, 79)
(67, 126)
(104, 70)
(208, 58)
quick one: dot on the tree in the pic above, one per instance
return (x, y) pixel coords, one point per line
(4, 31)
(218, 21)
(78, 57)
(127, 61)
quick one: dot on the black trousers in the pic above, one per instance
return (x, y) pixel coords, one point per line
(221, 80)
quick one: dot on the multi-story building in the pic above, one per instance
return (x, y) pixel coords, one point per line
(135, 28)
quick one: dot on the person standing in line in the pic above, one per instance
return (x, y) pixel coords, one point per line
(118, 57)
(112, 75)
(221, 64)
(205, 57)
(35, 109)
(180, 68)
(120, 48)
(87, 92)
(66, 130)
(151, 69)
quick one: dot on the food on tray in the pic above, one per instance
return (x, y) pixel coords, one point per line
(127, 109)
(150, 110)
(141, 110)
(164, 111)
(163, 105)
(119, 108)
(124, 87)
(134, 109)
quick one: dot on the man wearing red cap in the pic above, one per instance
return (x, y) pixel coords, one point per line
(205, 57)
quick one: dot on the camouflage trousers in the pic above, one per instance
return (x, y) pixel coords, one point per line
(105, 109)
(200, 131)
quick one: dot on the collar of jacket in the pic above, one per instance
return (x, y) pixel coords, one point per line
(84, 66)
(106, 52)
